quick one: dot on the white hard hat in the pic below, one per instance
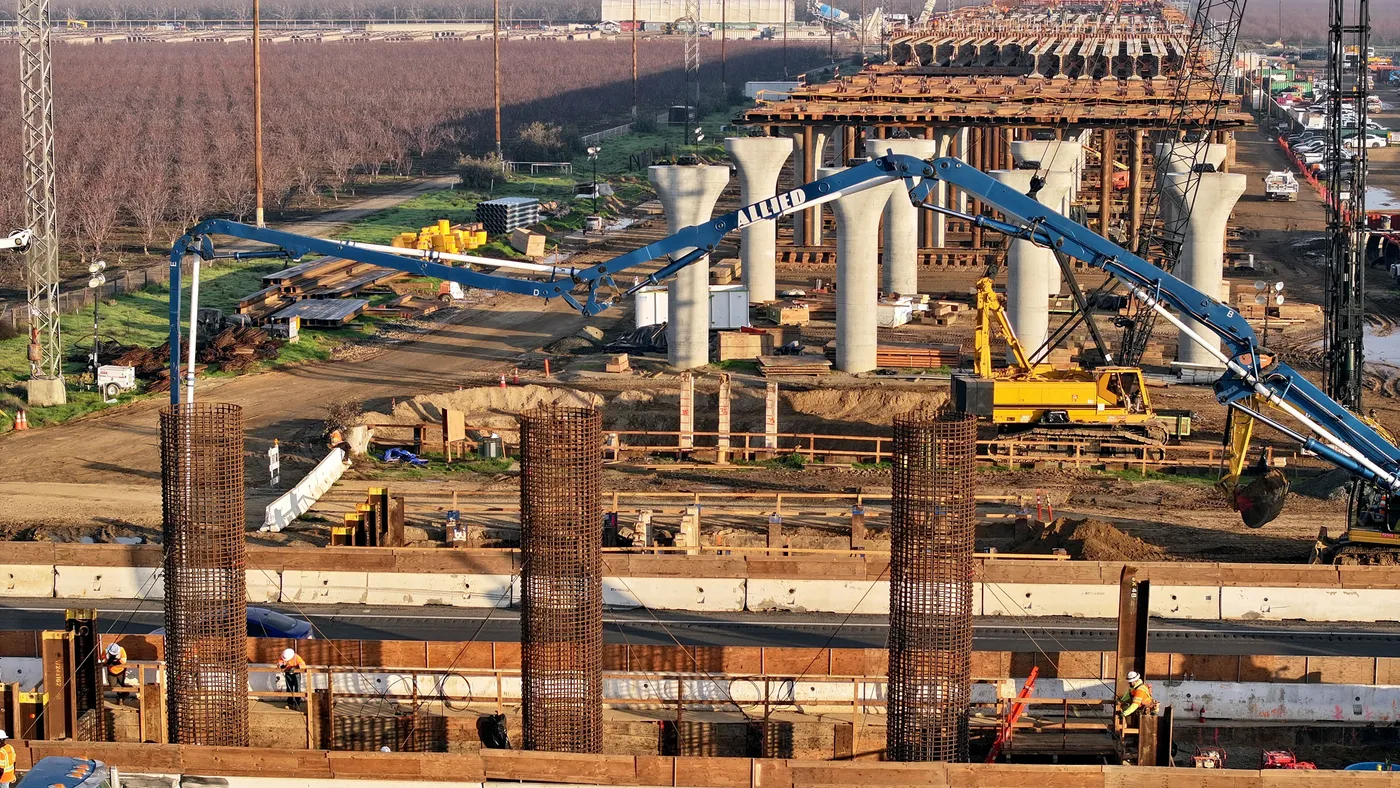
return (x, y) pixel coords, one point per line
(4, 735)
(1133, 676)
(288, 653)
(114, 649)
(385, 749)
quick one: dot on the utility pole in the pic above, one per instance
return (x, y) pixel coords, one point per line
(1346, 218)
(635, 25)
(723, 60)
(40, 205)
(257, 113)
(496, 68)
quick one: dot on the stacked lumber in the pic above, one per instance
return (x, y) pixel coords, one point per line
(744, 345)
(900, 355)
(726, 271)
(788, 313)
(328, 277)
(239, 349)
(793, 366)
(260, 305)
(618, 363)
(406, 306)
(649, 208)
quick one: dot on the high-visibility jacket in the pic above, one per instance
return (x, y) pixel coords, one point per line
(295, 663)
(1139, 697)
(115, 665)
(7, 764)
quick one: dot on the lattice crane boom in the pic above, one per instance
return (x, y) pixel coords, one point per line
(40, 206)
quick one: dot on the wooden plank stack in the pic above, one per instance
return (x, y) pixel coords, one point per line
(793, 366)
(327, 277)
(788, 313)
(726, 271)
(744, 345)
(892, 355)
(406, 306)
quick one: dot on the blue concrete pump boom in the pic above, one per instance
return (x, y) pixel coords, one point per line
(1252, 376)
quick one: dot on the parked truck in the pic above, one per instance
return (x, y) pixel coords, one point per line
(1281, 185)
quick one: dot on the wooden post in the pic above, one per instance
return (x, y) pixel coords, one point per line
(60, 720)
(810, 158)
(153, 713)
(770, 416)
(858, 527)
(1135, 188)
(1106, 181)
(775, 533)
(722, 440)
(687, 437)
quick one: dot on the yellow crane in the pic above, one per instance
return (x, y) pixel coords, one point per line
(1100, 403)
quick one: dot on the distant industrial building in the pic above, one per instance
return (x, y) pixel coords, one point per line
(735, 12)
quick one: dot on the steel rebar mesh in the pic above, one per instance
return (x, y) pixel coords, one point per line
(931, 572)
(206, 622)
(561, 595)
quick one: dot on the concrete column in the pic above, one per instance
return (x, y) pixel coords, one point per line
(900, 272)
(1179, 160)
(759, 160)
(688, 194)
(804, 170)
(857, 280)
(936, 224)
(964, 145)
(1108, 150)
(1029, 268)
(1203, 248)
(1054, 156)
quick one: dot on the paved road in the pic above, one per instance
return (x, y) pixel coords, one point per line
(640, 627)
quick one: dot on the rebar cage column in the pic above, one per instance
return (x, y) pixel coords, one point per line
(206, 624)
(931, 573)
(561, 595)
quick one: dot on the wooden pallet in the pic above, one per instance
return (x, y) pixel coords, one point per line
(793, 366)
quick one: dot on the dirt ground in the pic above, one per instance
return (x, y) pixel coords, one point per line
(109, 466)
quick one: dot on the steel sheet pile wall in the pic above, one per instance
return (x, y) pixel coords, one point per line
(931, 571)
(201, 460)
(561, 595)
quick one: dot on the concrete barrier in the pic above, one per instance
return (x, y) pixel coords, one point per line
(825, 596)
(325, 588)
(263, 585)
(108, 582)
(1043, 599)
(393, 588)
(1310, 604)
(298, 500)
(711, 595)
(1190, 602)
(26, 580)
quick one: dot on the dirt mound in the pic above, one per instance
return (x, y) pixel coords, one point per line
(1089, 540)
(490, 407)
(871, 406)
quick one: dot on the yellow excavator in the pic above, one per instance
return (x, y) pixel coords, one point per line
(1097, 404)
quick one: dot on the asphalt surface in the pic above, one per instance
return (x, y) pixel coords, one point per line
(802, 630)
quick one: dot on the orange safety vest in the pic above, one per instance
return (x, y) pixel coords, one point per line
(117, 667)
(1142, 696)
(7, 764)
(295, 663)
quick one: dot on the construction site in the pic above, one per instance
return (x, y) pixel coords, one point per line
(990, 412)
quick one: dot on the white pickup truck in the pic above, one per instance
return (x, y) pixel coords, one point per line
(1281, 185)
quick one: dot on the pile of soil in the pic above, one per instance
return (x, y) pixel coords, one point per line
(1088, 540)
(490, 407)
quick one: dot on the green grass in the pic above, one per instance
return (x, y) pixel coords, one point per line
(1156, 476)
(617, 152)
(437, 469)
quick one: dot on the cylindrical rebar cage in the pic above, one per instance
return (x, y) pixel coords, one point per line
(206, 620)
(931, 573)
(561, 595)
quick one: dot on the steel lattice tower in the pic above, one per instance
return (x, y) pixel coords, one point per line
(692, 50)
(1346, 218)
(40, 206)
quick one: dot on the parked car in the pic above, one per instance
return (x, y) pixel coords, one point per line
(265, 623)
(1371, 141)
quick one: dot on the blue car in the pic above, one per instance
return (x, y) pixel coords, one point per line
(265, 623)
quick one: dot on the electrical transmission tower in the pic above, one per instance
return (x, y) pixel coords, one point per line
(40, 208)
(691, 20)
(1348, 70)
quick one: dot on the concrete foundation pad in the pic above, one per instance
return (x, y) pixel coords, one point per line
(46, 392)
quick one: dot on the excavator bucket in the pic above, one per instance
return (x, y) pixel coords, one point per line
(1260, 501)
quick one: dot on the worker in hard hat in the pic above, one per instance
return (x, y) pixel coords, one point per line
(116, 665)
(1137, 698)
(7, 761)
(292, 666)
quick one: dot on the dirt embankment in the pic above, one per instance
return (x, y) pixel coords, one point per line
(1089, 540)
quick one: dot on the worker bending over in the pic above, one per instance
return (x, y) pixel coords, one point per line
(292, 666)
(7, 761)
(1137, 698)
(116, 665)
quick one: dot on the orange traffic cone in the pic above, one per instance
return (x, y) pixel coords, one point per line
(515, 376)
(21, 421)
(503, 380)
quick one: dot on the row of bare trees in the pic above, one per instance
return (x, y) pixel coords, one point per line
(153, 137)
